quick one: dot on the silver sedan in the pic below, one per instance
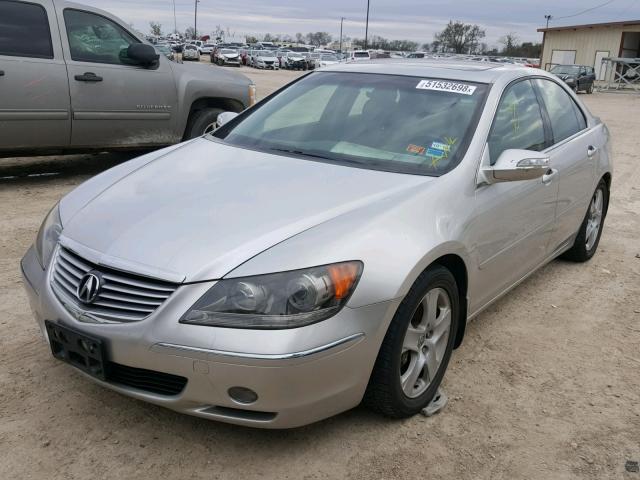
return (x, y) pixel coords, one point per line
(325, 247)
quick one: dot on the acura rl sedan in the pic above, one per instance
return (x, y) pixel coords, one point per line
(324, 248)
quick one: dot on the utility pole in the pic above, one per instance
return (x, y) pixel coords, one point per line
(195, 22)
(341, 21)
(366, 30)
(548, 17)
(175, 22)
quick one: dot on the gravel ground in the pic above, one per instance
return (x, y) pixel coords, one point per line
(545, 386)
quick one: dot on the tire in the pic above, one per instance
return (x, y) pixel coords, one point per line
(201, 120)
(590, 89)
(221, 62)
(586, 243)
(385, 392)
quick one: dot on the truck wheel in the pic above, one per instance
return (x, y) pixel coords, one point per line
(202, 121)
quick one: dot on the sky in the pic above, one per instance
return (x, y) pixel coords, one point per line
(416, 20)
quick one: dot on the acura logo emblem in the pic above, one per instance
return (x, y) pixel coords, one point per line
(89, 287)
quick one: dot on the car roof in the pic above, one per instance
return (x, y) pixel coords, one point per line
(485, 72)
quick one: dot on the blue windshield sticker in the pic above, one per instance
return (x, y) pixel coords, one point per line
(435, 152)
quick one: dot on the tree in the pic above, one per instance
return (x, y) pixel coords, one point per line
(156, 29)
(460, 37)
(299, 38)
(190, 33)
(510, 44)
(318, 38)
(251, 39)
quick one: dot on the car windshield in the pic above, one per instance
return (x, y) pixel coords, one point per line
(227, 50)
(361, 54)
(190, 47)
(566, 70)
(329, 58)
(377, 121)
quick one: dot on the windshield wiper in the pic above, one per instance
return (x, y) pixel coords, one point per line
(300, 152)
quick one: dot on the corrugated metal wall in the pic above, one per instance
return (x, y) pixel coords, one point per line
(586, 42)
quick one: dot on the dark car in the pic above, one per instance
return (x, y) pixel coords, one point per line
(578, 77)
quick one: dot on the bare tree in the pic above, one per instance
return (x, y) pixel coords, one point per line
(156, 29)
(510, 43)
(460, 37)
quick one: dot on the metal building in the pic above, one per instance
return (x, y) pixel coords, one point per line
(589, 44)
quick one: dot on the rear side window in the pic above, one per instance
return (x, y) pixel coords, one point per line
(24, 30)
(518, 123)
(94, 38)
(566, 118)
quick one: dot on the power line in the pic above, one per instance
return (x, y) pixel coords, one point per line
(586, 11)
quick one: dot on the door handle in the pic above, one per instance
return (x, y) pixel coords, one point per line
(548, 177)
(88, 77)
(591, 151)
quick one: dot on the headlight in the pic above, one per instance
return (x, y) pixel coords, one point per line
(279, 300)
(48, 236)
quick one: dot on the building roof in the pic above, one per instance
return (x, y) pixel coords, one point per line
(626, 23)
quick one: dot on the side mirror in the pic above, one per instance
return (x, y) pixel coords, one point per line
(515, 165)
(142, 54)
(225, 117)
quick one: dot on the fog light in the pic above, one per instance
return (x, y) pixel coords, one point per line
(242, 395)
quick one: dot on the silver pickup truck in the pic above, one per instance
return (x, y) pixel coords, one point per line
(76, 78)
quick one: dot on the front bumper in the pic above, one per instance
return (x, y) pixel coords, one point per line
(300, 375)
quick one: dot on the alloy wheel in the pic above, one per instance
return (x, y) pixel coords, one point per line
(425, 342)
(595, 219)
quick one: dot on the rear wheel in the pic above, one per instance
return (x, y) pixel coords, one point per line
(417, 347)
(203, 121)
(588, 237)
(590, 89)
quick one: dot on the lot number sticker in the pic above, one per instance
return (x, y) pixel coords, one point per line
(444, 86)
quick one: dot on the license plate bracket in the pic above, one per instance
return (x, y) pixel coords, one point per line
(85, 352)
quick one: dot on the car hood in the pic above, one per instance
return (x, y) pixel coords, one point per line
(230, 55)
(198, 212)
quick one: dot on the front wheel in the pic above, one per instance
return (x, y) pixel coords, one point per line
(417, 347)
(588, 237)
(202, 122)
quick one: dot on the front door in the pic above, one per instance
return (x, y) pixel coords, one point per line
(114, 103)
(513, 221)
(34, 92)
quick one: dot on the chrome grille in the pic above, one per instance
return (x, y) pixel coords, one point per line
(123, 297)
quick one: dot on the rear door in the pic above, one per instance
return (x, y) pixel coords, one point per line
(34, 91)
(114, 103)
(573, 153)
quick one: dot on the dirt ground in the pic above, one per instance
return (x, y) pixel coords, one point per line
(546, 384)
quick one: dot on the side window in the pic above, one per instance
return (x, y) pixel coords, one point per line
(24, 30)
(518, 122)
(566, 118)
(93, 38)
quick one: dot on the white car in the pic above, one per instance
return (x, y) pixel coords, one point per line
(326, 59)
(266, 59)
(191, 52)
(206, 49)
(359, 56)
